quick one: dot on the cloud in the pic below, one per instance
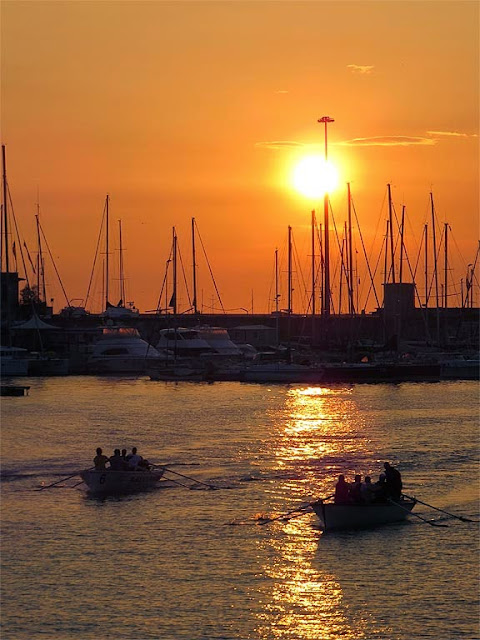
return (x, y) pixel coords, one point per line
(281, 91)
(280, 144)
(361, 68)
(453, 134)
(388, 141)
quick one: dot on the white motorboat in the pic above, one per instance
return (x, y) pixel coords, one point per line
(110, 482)
(13, 361)
(335, 517)
(122, 350)
(199, 342)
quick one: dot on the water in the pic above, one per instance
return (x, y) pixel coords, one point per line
(195, 564)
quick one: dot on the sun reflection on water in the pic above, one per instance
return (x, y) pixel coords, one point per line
(303, 603)
(319, 434)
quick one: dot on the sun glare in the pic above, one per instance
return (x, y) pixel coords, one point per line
(313, 177)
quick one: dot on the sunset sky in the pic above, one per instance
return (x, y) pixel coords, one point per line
(202, 109)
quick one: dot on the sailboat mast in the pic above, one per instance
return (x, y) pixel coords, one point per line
(351, 308)
(435, 265)
(277, 296)
(289, 269)
(446, 266)
(174, 296)
(41, 292)
(385, 264)
(313, 263)
(426, 265)
(402, 246)
(107, 249)
(194, 267)
(5, 214)
(390, 218)
(120, 265)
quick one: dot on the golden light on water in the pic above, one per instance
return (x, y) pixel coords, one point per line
(313, 176)
(317, 429)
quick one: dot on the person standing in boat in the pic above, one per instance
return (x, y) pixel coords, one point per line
(100, 460)
(393, 481)
(342, 491)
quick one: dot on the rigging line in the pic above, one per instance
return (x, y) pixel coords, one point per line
(439, 247)
(54, 265)
(96, 254)
(366, 258)
(185, 279)
(13, 216)
(379, 219)
(209, 267)
(343, 267)
(159, 303)
(374, 274)
(299, 270)
(423, 310)
(418, 257)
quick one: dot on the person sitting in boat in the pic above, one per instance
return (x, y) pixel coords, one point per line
(100, 460)
(380, 488)
(367, 491)
(393, 481)
(116, 461)
(342, 491)
(134, 459)
(356, 489)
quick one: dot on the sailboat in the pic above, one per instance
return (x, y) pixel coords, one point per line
(120, 349)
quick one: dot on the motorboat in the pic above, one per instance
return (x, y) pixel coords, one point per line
(198, 342)
(46, 364)
(13, 361)
(459, 367)
(111, 482)
(282, 372)
(336, 517)
(122, 350)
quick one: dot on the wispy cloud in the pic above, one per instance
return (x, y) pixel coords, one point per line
(361, 68)
(388, 141)
(453, 134)
(281, 91)
(280, 144)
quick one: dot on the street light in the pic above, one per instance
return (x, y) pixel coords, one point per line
(326, 281)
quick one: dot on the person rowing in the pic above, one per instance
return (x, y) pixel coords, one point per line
(100, 460)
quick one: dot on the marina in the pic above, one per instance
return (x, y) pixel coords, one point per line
(240, 320)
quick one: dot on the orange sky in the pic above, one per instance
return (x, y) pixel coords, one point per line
(181, 109)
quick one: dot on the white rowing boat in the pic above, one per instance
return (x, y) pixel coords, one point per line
(107, 481)
(335, 517)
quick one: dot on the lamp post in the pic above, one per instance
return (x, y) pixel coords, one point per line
(326, 279)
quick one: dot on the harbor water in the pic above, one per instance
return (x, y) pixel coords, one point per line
(194, 563)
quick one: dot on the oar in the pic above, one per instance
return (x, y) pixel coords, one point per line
(210, 486)
(302, 509)
(452, 515)
(433, 524)
(62, 480)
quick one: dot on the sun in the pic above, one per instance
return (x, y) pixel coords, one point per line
(313, 177)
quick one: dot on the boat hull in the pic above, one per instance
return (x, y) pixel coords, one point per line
(109, 482)
(337, 517)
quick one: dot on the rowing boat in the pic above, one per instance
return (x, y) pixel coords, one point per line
(335, 517)
(108, 481)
